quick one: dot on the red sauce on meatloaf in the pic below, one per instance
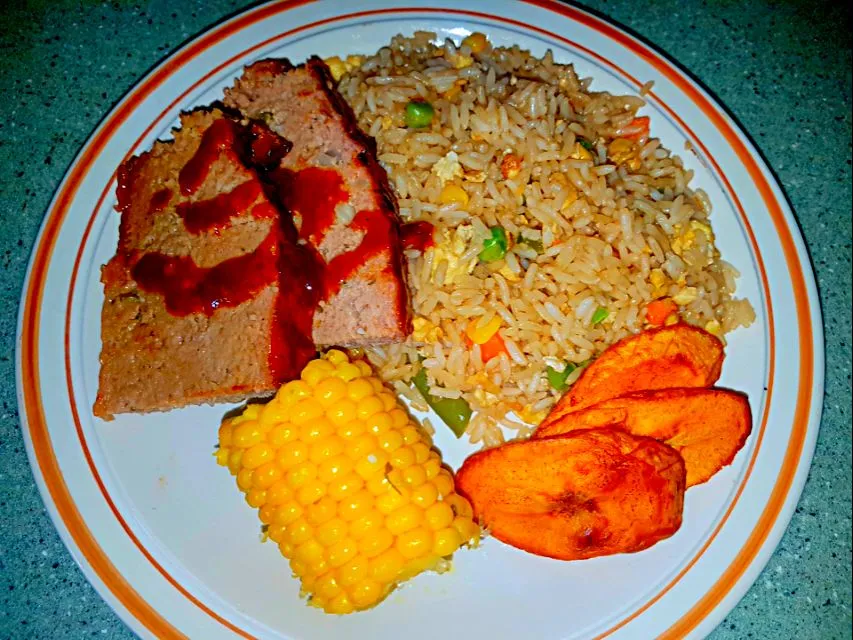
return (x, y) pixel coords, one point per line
(299, 292)
(379, 233)
(266, 148)
(159, 201)
(218, 137)
(311, 194)
(215, 214)
(287, 257)
(187, 288)
(418, 235)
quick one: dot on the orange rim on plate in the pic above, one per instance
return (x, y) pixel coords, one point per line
(42, 451)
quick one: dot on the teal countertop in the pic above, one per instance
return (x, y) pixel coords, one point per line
(782, 68)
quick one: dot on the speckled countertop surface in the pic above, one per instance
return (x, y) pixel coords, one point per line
(784, 70)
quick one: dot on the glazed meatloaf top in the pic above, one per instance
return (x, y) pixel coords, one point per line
(192, 296)
(339, 198)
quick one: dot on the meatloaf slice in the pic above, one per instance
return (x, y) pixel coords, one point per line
(338, 196)
(190, 309)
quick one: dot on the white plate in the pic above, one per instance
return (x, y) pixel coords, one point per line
(161, 531)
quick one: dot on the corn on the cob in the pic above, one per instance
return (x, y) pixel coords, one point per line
(346, 484)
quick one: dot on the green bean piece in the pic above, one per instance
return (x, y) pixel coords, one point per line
(599, 316)
(557, 379)
(454, 412)
(586, 144)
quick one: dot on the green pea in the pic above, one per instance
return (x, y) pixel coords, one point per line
(454, 412)
(494, 248)
(419, 114)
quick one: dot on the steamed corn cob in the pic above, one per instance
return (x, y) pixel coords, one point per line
(346, 485)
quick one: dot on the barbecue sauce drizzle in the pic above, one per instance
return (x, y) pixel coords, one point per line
(288, 255)
(219, 137)
(314, 193)
(187, 288)
(215, 214)
(418, 236)
(312, 196)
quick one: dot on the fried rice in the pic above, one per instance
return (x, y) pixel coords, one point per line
(600, 221)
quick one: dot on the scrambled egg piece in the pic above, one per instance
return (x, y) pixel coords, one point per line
(508, 274)
(484, 398)
(448, 167)
(571, 197)
(353, 62)
(714, 327)
(687, 239)
(529, 416)
(453, 194)
(570, 189)
(625, 152)
(451, 248)
(483, 384)
(460, 62)
(425, 331)
(685, 296)
(658, 280)
(336, 67)
(452, 92)
(455, 90)
(695, 225)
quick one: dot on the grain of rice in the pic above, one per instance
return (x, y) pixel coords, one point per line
(427, 425)
(441, 392)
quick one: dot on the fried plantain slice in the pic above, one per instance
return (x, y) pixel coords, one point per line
(706, 426)
(676, 356)
(588, 493)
